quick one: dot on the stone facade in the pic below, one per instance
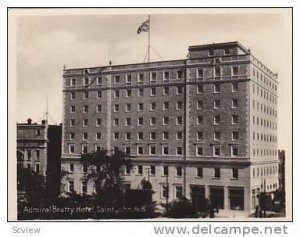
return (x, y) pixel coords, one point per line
(197, 115)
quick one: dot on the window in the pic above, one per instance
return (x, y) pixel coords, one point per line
(235, 103)
(38, 132)
(179, 135)
(179, 74)
(140, 150)
(226, 51)
(179, 90)
(116, 93)
(85, 94)
(165, 170)
(217, 135)
(153, 76)
(84, 149)
(216, 150)
(152, 91)
(199, 89)
(72, 109)
(140, 121)
(127, 169)
(72, 136)
(98, 122)
(71, 167)
(199, 150)
(140, 169)
(84, 186)
(179, 151)
(217, 72)
(116, 135)
(140, 92)
(178, 192)
(117, 79)
(165, 135)
(236, 199)
(165, 150)
(152, 106)
(234, 151)
(85, 122)
(200, 73)
(165, 120)
(152, 150)
(235, 135)
(210, 52)
(116, 122)
(179, 105)
(152, 121)
(99, 80)
(141, 78)
(165, 105)
(72, 82)
(127, 136)
(128, 121)
(128, 93)
(86, 81)
(116, 107)
(98, 136)
(128, 107)
(235, 71)
(71, 148)
(199, 104)
(166, 91)
(72, 95)
(152, 170)
(199, 135)
(152, 135)
(199, 172)
(235, 173)
(217, 88)
(217, 119)
(85, 109)
(84, 168)
(199, 120)
(140, 136)
(85, 136)
(179, 171)
(37, 155)
(140, 107)
(71, 186)
(128, 79)
(127, 150)
(164, 191)
(99, 108)
(72, 122)
(217, 104)
(217, 173)
(235, 119)
(234, 86)
(166, 75)
(179, 121)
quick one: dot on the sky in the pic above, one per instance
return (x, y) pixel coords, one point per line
(46, 40)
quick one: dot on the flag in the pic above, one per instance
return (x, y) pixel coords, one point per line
(144, 27)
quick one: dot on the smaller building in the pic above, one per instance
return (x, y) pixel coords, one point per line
(39, 148)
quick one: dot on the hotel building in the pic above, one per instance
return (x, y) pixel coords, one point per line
(200, 127)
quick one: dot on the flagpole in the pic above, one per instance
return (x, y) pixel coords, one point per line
(149, 40)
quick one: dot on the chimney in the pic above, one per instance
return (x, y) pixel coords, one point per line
(29, 121)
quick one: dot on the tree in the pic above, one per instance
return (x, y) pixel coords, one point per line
(106, 172)
(182, 208)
